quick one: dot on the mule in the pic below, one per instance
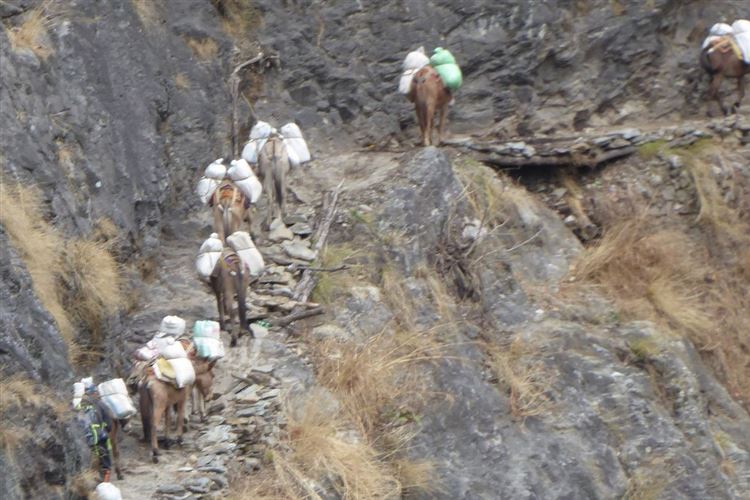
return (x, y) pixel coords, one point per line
(231, 279)
(721, 58)
(429, 95)
(230, 207)
(273, 169)
(155, 398)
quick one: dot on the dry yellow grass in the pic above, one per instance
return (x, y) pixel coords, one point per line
(32, 33)
(77, 281)
(240, 18)
(525, 379)
(204, 48)
(148, 11)
(672, 279)
(182, 81)
(40, 246)
(92, 280)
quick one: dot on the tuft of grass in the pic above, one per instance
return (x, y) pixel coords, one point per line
(91, 277)
(484, 190)
(148, 11)
(33, 31)
(182, 81)
(205, 49)
(331, 285)
(418, 476)
(77, 281)
(644, 348)
(11, 436)
(40, 246)
(239, 18)
(378, 379)
(525, 379)
(84, 483)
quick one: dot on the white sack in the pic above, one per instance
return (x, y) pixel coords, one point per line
(242, 243)
(741, 26)
(120, 405)
(416, 59)
(216, 170)
(259, 134)
(114, 386)
(245, 179)
(167, 347)
(146, 353)
(205, 264)
(717, 30)
(107, 491)
(212, 244)
(184, 372)
(207, 329)
(205, 188)
(743, 42)
(404, 84)
(78, 390)
(208, 348)
(172, 325)
(295, 144)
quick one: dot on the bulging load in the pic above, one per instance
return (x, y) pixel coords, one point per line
(245, 180)
(107, 491)
(295, 144)
(114, 394)
(207, 329)
(208, 255)
(172, 325)
(741, 30)
(259, 135)
(216, 170)
(414, 61)
(445, 64)
(167, 347)
(78, 390)
(207, 340)
(179, 371)
(243, 245)
(206, 188)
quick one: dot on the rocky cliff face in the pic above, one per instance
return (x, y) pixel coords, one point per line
(112, 110)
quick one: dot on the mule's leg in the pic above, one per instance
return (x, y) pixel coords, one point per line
(158, 410)
(430, 118)
(441, 126)
(218, 223)
(740, 92)
(714, 92)
(180, 413)
(115, 451)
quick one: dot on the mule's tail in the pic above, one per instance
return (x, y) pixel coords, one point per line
(705, 61)
(226, 220)
(146, 404)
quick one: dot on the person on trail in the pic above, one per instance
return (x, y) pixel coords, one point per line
(97, 425)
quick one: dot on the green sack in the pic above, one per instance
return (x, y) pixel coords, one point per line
(451, 76)
(441, 56)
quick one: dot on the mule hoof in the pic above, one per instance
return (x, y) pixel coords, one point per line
(179, 442)
(120, 477)
(155, 459)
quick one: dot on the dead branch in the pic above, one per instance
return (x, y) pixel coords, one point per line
(294, 316)
(307, 283)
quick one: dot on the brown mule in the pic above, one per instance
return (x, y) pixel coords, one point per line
(156, 397)
(229, 279)
(429, 95)
(230, 207)
(117, 425)
(722, 58)
(273, 169)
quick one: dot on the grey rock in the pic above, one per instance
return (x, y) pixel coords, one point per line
(170, 489)
(299, 251)
(279, 232)
(198, 485)
(301, 229)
